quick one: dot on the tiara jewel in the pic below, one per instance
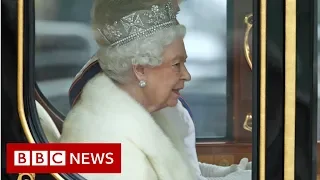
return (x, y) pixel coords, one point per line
(139, 24)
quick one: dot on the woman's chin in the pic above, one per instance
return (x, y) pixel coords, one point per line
(172, 102)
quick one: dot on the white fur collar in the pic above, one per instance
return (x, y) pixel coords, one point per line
(104, 113)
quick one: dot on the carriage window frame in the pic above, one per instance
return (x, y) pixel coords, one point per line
(34, 132)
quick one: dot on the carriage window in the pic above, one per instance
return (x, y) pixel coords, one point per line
(218, 44)
(207, 63)
(64, 43)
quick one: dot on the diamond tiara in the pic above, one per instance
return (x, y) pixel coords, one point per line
(139, 24)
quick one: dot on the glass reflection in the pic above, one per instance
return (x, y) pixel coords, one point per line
(206, 48)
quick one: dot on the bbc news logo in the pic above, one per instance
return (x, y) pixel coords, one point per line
(64, 158)
(58, 158)
(39, 158)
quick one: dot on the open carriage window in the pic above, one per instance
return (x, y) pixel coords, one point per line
(219, 95)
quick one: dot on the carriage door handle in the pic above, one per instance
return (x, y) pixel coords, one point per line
(247, 125)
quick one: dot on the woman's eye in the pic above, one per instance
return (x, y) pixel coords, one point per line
(178, 64)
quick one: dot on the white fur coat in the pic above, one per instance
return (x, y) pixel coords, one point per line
(152, 149)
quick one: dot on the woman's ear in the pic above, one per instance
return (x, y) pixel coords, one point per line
(139, 72)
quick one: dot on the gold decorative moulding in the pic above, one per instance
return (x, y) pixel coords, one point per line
(26, 176)
(247, 125)
(248, 20)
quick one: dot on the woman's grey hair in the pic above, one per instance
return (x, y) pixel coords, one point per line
(116, 62)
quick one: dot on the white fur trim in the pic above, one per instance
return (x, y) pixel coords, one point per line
(151, 150)
(49, 127)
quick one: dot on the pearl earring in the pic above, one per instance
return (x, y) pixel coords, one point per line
(142, 84)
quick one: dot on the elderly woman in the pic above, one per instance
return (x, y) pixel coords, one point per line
(129, 92)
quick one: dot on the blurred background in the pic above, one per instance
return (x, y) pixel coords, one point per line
(64, 43)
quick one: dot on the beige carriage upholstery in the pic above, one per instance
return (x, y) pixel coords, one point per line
(49, 128)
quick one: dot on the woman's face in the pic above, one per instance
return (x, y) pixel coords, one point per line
(165, 81)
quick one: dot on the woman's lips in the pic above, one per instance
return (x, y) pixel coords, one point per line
(176, 91)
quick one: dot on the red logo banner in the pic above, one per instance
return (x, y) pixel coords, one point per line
(64, 158)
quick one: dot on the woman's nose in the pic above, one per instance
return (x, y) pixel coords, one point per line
(185, 75)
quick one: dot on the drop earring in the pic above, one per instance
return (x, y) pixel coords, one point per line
(142, 84)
